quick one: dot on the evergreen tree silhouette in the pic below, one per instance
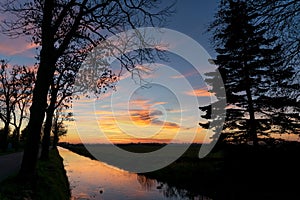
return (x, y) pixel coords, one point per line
(255, 79)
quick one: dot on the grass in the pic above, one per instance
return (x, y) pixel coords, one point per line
(51, 182)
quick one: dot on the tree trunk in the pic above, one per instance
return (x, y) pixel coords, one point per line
(37, 114)
(55, 138)
(18, 131)
(48, 125)
(40, 92)
(252, 120)
(46, 136)
(4, 136)
(16, 138)
(32, 142)
(55, 132)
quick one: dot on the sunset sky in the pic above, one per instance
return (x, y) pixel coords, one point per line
(164, 110)
(167, 107)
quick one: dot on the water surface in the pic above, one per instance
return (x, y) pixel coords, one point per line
(91, 179)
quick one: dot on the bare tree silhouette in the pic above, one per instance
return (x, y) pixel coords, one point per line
(16, 85)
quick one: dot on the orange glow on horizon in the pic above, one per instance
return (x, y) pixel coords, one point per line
(164, 136)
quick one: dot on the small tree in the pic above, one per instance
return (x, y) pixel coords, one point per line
(59, 128)
(5, 95)
(16, 84)
(21, 108)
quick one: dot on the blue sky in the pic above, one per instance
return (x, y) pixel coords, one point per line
(191, 18)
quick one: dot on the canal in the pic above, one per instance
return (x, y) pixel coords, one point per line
(92, 179)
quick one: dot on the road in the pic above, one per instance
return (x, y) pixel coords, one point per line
(10, 164)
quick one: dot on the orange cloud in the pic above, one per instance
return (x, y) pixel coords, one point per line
(178, 76)
(140, 122)
(199, 93)
(141, 103)
(134, 120)
(146, 104)
(185, 75)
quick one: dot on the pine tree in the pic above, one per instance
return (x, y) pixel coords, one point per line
(253, 74)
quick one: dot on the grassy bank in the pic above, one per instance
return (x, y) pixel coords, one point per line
(51, 182)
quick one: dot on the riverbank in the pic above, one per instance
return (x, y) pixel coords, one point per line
(228, 172)
(51, 182)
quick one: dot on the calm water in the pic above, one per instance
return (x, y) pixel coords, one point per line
(90, 179)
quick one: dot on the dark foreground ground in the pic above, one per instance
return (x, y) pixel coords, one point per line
(50, 183)
(235, 172)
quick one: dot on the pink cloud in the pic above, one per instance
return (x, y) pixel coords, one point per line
(12, 47)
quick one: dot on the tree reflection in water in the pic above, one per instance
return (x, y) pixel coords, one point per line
(146, 183)
(168, 191)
